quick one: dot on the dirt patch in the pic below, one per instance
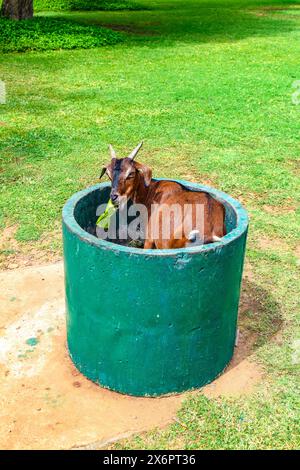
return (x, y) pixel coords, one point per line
(194, 177)
(14, 254)
(7, 234)
(274, 244)
(240, 380)
(29, 289)
(274, 210)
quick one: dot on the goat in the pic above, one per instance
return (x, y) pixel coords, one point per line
(133, 180)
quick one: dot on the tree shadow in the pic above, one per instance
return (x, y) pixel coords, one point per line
(194, 22)
(259, 320)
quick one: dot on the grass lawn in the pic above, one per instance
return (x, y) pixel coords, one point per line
(208, 85)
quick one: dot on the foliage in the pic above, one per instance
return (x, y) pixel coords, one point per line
(41, 34)
(104, 219)
(85, 5)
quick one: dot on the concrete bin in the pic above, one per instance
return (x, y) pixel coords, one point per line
(150, 322)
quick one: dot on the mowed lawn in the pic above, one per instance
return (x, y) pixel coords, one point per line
(210, 87)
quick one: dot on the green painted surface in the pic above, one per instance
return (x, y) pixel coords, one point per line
(32, 341)
(150, 322)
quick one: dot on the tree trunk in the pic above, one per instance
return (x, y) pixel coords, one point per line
(17, 9)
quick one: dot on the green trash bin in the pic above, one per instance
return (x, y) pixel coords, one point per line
(150, 322)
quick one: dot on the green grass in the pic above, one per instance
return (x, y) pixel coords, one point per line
(230, 425)
(208, 86)
(42, 34)
(85, 5)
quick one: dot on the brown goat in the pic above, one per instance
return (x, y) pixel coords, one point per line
(132, 180)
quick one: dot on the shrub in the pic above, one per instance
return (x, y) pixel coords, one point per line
(86, 5)
(43, 33)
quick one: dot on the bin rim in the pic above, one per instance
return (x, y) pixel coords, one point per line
(241, 225)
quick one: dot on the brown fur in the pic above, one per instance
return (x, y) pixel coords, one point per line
(132, 180)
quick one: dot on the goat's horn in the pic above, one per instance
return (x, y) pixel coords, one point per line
(112, 152)
(135, 151)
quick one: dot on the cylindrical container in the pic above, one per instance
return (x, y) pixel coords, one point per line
(150, 322)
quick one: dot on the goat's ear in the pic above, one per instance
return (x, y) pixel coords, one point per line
(146, 172)
(103, 171)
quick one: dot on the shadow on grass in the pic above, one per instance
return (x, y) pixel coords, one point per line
(259, 320)
(196, 22)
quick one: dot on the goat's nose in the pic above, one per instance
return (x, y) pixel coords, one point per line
(114, 197)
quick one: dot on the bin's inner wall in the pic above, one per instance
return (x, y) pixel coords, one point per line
(85, 212)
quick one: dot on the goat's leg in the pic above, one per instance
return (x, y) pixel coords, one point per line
(218, 222)
(149, 244)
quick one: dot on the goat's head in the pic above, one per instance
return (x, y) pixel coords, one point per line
(125, 175)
